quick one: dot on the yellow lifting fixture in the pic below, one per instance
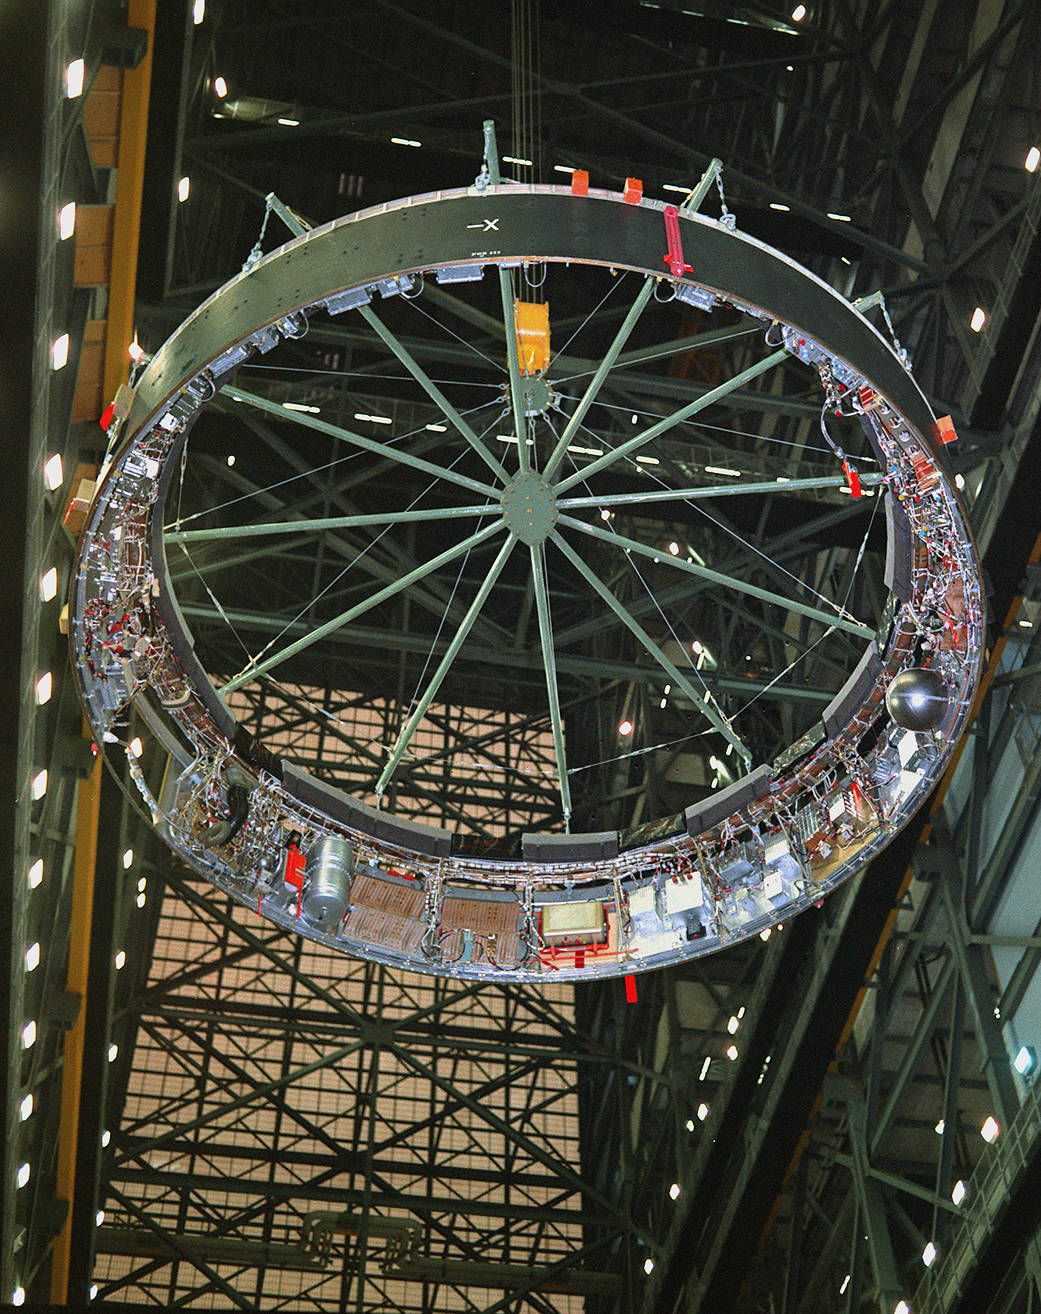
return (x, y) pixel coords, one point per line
(531, 319)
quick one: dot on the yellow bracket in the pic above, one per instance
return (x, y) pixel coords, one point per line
(531, 319)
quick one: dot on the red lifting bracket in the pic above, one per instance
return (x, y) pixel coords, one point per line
(852, 478)
(294, 873)
(674, 255)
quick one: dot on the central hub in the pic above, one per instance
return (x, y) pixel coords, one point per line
(529, 507)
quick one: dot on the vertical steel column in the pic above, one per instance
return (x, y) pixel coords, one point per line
(88, 802)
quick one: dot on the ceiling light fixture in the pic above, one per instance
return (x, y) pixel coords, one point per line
(53, 474)
(74, 79)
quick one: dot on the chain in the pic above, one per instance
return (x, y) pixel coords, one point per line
(902, 354)
(727, 219)
(258, 250)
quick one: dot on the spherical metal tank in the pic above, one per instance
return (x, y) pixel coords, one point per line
(917, 699)
(328, 890)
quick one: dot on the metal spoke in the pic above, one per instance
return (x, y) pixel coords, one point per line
(699, 700)
(549, 663)
(692, 202)
(603, 369)
(356, 440)
(838, 620)
(459, 638)
(509, 318)
(431, 389)
(328, 523)
(677, 417)
(720, 490)
(360, 608)
(509, 313)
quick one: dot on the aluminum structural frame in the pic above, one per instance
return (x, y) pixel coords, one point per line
(744, 859)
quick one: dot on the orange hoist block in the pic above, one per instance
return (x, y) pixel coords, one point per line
(945, 434)
(633, 193)
(580, 182)
(532, 321)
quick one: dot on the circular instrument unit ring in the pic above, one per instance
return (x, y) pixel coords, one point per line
(573, 906)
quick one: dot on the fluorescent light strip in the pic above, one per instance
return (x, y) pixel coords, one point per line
(586, 451)
(373, 419)
(512, 159)
(405, 141)
(722, 470)
(299, 406)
